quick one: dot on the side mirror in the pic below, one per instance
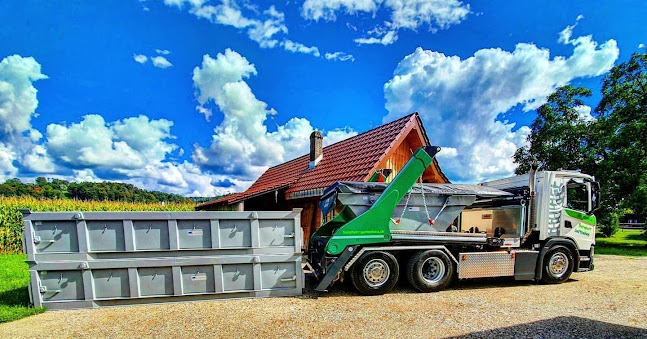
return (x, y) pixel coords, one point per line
(595, 197)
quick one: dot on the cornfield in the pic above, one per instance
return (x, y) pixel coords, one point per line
(11, 223)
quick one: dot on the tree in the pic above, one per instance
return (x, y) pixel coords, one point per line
(621, 135)
(612, 147)
(559, 136)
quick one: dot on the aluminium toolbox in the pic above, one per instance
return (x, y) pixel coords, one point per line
(92, 259)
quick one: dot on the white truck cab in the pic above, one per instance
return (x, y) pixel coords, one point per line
(565, 202)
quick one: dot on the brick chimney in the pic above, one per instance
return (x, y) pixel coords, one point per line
(316, 148)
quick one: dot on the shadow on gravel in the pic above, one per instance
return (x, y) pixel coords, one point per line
(562, 327)
(346, 288)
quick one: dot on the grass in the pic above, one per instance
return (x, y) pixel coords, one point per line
(14, 281)
(624, 242)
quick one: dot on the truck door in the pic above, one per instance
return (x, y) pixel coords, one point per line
(577, 222)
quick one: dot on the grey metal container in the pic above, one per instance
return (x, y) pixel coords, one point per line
(93, 259)
(441, 202)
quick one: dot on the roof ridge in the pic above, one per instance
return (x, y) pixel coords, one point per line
(353, 137)
(378, 127)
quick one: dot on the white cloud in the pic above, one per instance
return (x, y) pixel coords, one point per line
(163, 51)
(18, 103)
(242, 146)
(161, 62)
(140, 58)
(447, 153)
(7, 157)
(38, 161)
(261, 30)
(337, 135)
(386, 39)
(584, 112)
(85, 175)
(18, 100)
(461, 99)
(341, 56)
(404, 14)
(566, 33)
(326, 9)
(136, 150)
(641, 45)
(93, 142)
(267, 27)
(294, 47)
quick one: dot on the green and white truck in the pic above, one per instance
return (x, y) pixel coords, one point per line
(538, 226)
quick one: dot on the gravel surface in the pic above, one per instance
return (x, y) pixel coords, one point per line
(609, 302)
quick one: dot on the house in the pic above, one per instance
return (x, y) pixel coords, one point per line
(299, 183)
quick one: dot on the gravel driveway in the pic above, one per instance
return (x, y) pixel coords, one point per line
(608, 302)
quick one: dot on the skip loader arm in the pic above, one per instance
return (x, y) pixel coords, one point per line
(372, 226)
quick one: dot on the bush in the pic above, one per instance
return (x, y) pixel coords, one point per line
(610, 224)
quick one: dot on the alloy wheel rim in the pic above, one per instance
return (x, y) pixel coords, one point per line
(376, 272)
(558, 264)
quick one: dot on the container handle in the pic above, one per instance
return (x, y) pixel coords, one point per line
(294, 278)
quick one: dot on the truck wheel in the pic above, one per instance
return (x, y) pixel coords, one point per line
(375, 273)
(430, 271)
(558, 265)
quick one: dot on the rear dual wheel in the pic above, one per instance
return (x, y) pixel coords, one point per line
(430, 271)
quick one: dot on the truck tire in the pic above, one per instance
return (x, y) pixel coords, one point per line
(558, 265)
(430, 271)
(375, 273)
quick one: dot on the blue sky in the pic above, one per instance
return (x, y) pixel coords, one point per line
(200, 97)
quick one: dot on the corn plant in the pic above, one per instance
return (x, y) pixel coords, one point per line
(11, 222)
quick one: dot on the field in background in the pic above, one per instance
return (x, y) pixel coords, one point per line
(11, 223)
(624, 242)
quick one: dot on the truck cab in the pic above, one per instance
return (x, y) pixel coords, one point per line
(564, 205)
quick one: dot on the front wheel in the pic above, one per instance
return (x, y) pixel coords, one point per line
(558, 265)
(375, 273)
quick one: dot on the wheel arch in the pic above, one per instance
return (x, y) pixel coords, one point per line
(553, 243)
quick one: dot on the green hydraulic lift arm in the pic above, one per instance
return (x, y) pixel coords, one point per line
(372, 226)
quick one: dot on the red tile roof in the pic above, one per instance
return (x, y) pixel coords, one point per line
(348, 160)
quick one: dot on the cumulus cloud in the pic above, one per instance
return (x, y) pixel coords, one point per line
(18, 100)
(163, 51)
(134, 150)
(18, 103)
(161, 62)
(462, 99)
(7, 157)
(404, 14)
(241, 145)
(140, 58)
(641, 45)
